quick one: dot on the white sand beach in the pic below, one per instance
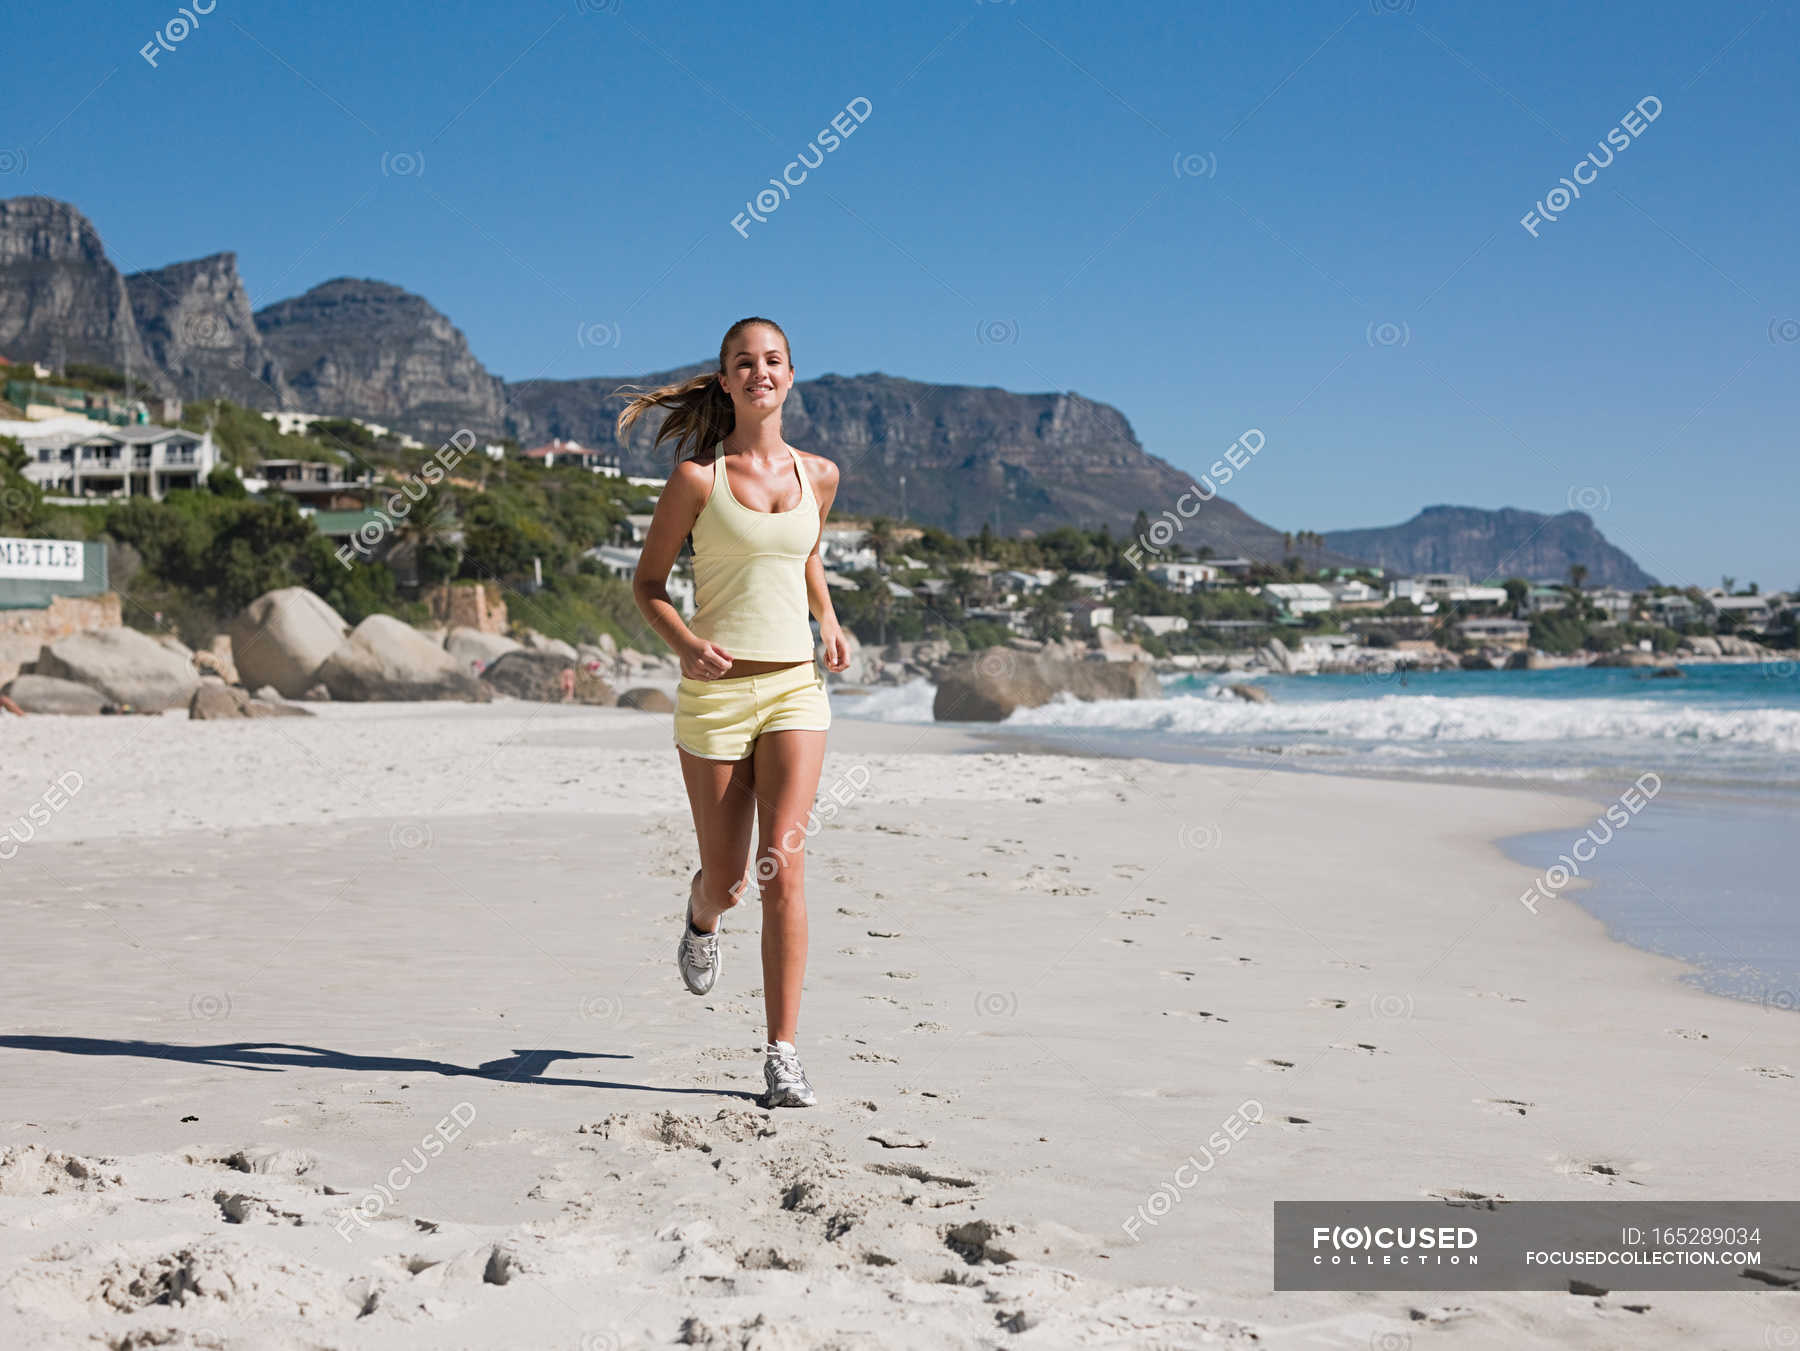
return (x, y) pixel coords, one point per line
(363, 1031)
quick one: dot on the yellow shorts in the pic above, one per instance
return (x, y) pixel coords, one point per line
(721, 719)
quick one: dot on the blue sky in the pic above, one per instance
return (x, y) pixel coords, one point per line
(1301, 218)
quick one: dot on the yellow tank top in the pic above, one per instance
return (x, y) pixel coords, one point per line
(750, 572)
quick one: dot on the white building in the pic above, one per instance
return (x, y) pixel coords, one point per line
(845, 548)
(1612, 602)
(1184, 576)
(1161, 625)
(1354, 592)
(1473, 595)
(1675, 609)
(1751, 610)
(1299, 598)
(116, 461)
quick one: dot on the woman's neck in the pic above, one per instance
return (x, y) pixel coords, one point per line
(760, 440)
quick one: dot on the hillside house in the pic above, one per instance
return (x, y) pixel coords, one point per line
(146, 461)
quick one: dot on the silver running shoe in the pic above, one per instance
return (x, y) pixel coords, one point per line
(786, 1080)
(697, 955)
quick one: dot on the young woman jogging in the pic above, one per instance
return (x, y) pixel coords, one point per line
(751, 711)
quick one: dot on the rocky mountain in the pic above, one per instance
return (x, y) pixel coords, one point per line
(61, 300)
(968, 454)
(1495, 545)
(376, 351)
(965, 454)
(195, 320)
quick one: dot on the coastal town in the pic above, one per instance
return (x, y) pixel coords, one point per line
(917, 602)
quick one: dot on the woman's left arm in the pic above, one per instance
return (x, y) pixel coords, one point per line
(818, 594)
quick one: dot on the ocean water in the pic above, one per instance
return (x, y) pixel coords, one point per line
(1727, 726)
(1699, 874)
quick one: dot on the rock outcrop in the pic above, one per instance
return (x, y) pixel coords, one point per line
(988, 687)
(371, 350)
(1483, 544)
(282, 638)
(475, 650)
(125, 666)
(386, 659)
(47, 694)
(547, 678)
(61, 300)
(215, 701)
(647, 699)
(195, 320)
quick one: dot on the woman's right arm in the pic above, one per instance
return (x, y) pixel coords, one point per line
(676, 511)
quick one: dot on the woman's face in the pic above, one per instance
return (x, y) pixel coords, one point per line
(757, 375)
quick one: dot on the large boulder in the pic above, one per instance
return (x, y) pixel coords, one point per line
(1704, 646)
(539, 642)
(46, 694)
(647, 699)
(472, 646)
(282, 638)
(1114, 647)
(987, 688)
(228, 701)
(385, 659)
(547, 678)
(126, 666)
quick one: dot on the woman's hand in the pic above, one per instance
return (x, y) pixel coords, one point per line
(704, 661)
(837, 648)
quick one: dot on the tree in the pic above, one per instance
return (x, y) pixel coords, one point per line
(1518, 591)
(428, 531)
(1577, 575)
(222, 482)
(880, 538)
(22, 509)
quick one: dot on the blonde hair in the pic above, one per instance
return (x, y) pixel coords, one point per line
(700, 412)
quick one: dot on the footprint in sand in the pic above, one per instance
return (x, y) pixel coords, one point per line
(1177, 975)
(1349, 966)
(1322, 1003)
(1201, 933)
(1606, 1172)
(1496, 994)
(1361, 1047)
(1274, 1066)
(1293, 1123)
(1506, 1106)
(1200, 1014)
(1771, 1071)
(1688, 1033)
(1462, 1196)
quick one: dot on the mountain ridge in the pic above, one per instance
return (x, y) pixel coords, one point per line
(956, 456)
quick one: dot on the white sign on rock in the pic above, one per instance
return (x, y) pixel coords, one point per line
(56, 560)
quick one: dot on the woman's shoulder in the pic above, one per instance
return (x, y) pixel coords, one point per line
(823, 472)
(695, 472)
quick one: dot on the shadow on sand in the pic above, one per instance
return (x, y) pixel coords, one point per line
(526, 1067)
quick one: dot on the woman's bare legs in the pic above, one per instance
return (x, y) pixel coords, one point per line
(786, 780)
(721, 794)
